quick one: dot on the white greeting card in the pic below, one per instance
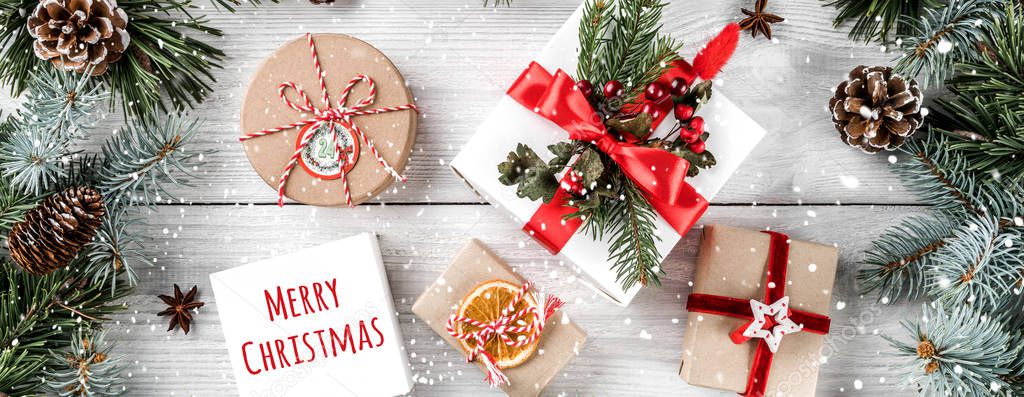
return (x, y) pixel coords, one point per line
(733, 136)
(317, 322)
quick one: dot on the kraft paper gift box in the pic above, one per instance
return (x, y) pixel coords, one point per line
(734, 135)
(560, 341)
(732, 262)
(316, 322)
(317, 178)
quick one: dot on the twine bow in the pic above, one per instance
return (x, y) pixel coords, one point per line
(508, 322)
(329, 115)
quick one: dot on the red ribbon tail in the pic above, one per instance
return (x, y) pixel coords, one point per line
(494, 377)
(552, 303)
(550, 225)
(737, 334)
(757, 383)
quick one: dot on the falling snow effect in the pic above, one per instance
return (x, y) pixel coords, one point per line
(458, 57)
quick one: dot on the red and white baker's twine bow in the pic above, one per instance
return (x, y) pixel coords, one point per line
(508, 322)
(329, 115)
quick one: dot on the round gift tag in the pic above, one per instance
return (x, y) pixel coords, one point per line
(316, 178)
(321, 157)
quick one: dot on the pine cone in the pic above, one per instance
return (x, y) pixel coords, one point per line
(52, 233)
(78, 34)
(876, 109)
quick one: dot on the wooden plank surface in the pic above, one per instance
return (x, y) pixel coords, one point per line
(458, 58)
(629, 351)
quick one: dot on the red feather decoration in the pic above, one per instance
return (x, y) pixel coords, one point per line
(716, 53)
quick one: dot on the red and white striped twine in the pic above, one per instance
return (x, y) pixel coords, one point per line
(329, 115)
(501, 327)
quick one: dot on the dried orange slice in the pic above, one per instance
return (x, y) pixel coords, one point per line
(485, 304)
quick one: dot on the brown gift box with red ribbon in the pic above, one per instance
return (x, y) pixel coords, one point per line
(736, 267)
(560, 341)
(375, 108)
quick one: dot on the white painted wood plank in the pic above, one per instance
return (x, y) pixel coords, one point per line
(459, 57)
(417, 243)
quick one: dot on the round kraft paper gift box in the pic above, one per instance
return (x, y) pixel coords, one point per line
(290, 134)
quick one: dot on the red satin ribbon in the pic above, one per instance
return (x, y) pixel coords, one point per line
(660, 175)
(778, 262)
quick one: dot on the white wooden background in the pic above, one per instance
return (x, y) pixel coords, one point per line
(459, 57)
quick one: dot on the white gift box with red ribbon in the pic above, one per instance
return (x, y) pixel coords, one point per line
(733, 136)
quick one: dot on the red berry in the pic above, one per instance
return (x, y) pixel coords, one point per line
(585, 87)
(682, 111)
(613, 89)
(574, 184)
(697, 123)
(697, 146)
(678, 86)
(688, 135)
(654, 92)
(651, 109)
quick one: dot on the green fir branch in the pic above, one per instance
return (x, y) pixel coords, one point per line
(19, 372)
(32, 159)
(631, 232)
(997, 74)
(635, 45)
(144, 157)
(980, 266)
(597, 16)
(900, 263)
(944, 37)
(17, 59)
(86, 368)
(38, 314)
(14, 203)
(166, 67)
(61, 103)
(879, 20)
(169, 69)
(232, 5)
(895, 264)
(116, 251)
(37, 148)
(956, 351)
(984, 116)
(990, 139)
(937, 175)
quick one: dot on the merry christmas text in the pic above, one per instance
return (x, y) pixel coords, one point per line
(310, 346)
(289, 302)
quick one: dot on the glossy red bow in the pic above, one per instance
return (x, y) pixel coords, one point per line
(659, 174)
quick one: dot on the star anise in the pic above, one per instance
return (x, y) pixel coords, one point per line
(180, 307)
(759, 21)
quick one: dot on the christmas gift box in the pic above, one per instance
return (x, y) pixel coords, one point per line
(315, 322)
(758, 312)
(479, 301)
(328, 120)
(545, 107)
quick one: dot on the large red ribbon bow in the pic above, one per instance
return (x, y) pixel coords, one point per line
(659, 174)
(774, 291)
(329, 115)
(508, 322)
